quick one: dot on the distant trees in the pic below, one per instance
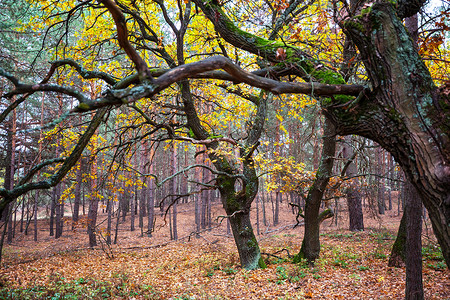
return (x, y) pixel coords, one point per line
(146, 90)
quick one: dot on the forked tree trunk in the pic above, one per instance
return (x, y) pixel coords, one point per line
(237, 208)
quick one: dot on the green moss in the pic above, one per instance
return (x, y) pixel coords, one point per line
(261, 43)
(261, 263)
(83, 106)
(299, 258)
(328, 76)
(252, 243)
(366, 10)
(394, 115)
(351, 24)
(343, 98)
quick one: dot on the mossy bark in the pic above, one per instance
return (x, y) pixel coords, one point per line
(398, 256)
(403, 112)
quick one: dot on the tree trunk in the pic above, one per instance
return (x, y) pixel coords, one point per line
(354, 204)
(391, 176)
(35, 214)
(204, 199)
(52, 211)
(257, 215)
(132, 209)
(116, 230)
(246, 243)
(93, 207)
(109, 220)
(77, 196)
(59, 210)
(276, 213)
(404, 114)
(380, 185)
(414, 285)
(310, 248)
(397, 257)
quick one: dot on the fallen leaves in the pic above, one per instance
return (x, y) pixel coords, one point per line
(351, 266)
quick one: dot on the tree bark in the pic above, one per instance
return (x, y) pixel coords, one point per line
(35, 213)
(398, 257)
(52, 212)
(310, 248)
(380, 182)
(404, 111)
(354, 198)
(414, 285)
(174, 192)
(93, 207)
(59, 210)
(77, 195)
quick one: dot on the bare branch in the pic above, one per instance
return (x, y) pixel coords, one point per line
(205, 142)
(69, 162)
(86, 74)
(122, 36)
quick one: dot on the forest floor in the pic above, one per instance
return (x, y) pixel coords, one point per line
(352, 265)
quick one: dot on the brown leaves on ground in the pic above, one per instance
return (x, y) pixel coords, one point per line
(351, 266)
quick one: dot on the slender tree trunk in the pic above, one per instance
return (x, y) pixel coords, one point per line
(52, 212)
(116, 231)
(132, 210)
(109, 220)
(93, 207)
(10, 168)
(204, 199)
(380, 185)
(257, 215)
(35, 214)
(174, 193)
(77, 195)
(263, 201)
(197, 212)
(391, 175)
(398, 257)
(22, 215)
(143, 192)
(310, 248)
(354, 200)
(276, 213)
(59, 208)
(151, 196)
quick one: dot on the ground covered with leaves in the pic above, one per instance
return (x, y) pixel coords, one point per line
(351, 266)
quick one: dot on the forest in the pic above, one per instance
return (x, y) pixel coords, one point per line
(224, 149)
